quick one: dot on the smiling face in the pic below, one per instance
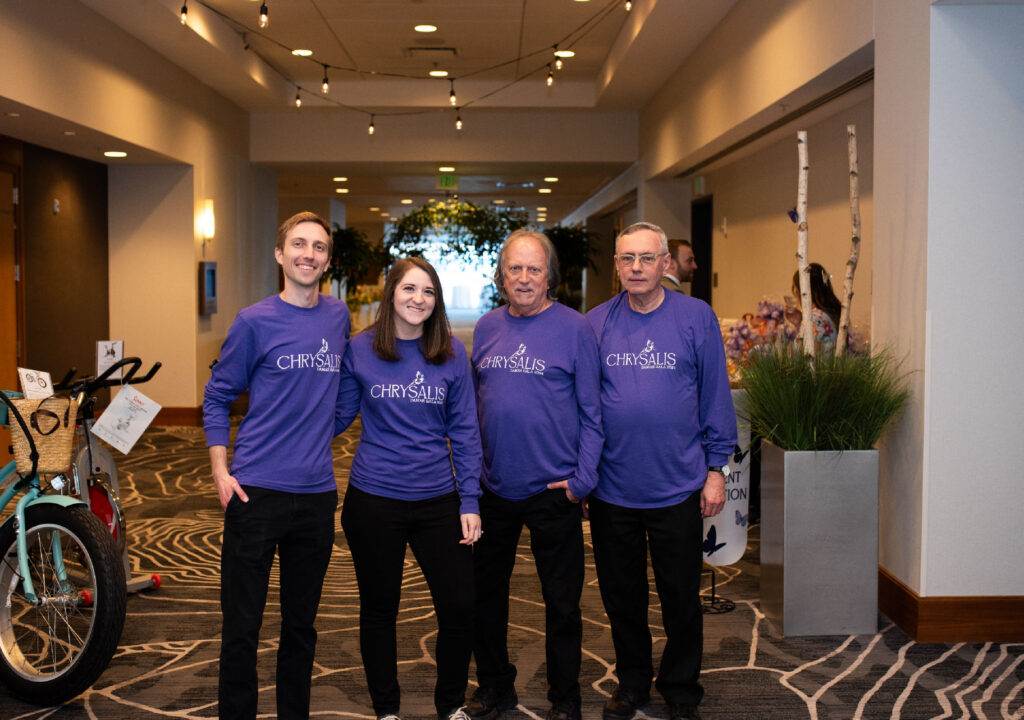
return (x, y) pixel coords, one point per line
(415, 296)
(641, 281)
(526, 276)
(304, 256)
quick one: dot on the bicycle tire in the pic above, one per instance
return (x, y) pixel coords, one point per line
(52, 652)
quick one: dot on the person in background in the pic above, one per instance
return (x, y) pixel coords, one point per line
(681, 265)
(415, 481)
(825, 307)
(279, 494)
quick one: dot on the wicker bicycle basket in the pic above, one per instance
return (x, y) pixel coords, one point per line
(51, 422)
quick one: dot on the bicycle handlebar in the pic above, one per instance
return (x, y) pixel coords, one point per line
(88, 385)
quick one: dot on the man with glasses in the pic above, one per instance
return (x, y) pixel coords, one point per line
(537, 375)
(669, 430)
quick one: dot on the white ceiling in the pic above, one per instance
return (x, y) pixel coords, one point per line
(497, 52)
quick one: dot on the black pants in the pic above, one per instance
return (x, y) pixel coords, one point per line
(300, 527)
(378, 530)
(556, 539)
(621, 536)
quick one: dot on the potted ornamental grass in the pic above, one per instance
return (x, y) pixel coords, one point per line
(820, 412)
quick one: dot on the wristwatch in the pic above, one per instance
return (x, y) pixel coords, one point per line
(724, 469)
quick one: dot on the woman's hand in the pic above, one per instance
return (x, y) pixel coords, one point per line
(471, 528)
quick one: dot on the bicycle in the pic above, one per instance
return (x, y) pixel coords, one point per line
(94, 463)
(62, 587)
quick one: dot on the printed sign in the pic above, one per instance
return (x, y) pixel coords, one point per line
(125, 419)
(109, 352)
(35, 384)
(725, 535)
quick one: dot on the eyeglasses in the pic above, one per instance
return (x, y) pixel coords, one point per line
(647, 259)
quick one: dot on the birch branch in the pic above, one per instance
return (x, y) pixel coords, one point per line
(851, 264)
(806, 323)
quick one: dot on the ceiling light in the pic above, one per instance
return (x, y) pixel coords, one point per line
(425, 28)
(498, 202)
(370, 130)
(451, 96)
(550, 179)
(375, 209)
(551, 77)
(298, 99)
(542, 209)
(69, 133)
(302, 52)
(438, 73)
(340, 179)
(326, 85)
(341, 190)
(407, 201)
(458, 122)
(384, 214)
(264, 15)
(446, 168)
(558, 63)
(544, 191)
(564, 53)
(629, 6)
(115, 153)
(13, 114)
(184, 12)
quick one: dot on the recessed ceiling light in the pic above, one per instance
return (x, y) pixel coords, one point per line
(499, 202)
(384, 214)
(340, 179)
(438, 73)
(407, 201)
(375, 209)
(341, 190)
(542, 209)
(425, 28)
(564, 53)
(544, 191)
(69, 133)
(302, 52)
(115, 153)
(13, 114)
(550, 179)
(392, 218)
(446, 168)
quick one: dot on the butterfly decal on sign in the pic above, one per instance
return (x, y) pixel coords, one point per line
(738, 454)
(711, 544)
(741, 519)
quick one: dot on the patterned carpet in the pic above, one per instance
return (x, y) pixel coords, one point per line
(166, 665)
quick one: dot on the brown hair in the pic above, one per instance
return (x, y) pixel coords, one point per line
(436, 341)
(302, 217)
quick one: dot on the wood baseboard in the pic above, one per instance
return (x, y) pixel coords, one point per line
(950, 619)
(179, 416)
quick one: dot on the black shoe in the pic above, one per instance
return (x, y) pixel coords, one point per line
(488, 703)
(566, 710)
(625, 702)
(684, 712)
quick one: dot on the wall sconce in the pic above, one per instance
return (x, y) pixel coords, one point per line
(206, 222)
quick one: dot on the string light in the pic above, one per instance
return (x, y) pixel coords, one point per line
(326, 86)
(551, 77)
(264, 15)
(558, 64)
(184, 11)
(298, 99)
(629, 5)
(458, 122)
(370, 130)
(451, 96)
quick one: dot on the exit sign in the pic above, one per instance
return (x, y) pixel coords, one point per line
(447, 181)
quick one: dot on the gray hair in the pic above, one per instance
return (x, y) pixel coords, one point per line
(554, 277)
(638, 226)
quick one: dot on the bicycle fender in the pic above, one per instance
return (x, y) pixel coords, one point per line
(62, 500)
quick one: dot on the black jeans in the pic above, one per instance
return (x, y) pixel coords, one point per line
(556, 539)
(621, 536)
(300, 527)
(378, 530)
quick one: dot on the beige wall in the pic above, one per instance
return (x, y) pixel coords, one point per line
(756, 256)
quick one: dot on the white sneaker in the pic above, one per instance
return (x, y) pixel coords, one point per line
(458, 714)
(389, 716)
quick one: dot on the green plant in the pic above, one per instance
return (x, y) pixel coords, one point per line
(831, 402)
(352, 257)
(461, 228)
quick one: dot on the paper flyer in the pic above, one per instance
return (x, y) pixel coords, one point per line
(35, 384)
(125, 419)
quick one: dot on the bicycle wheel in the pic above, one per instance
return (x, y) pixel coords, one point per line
(52, 651)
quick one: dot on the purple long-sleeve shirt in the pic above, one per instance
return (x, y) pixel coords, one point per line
(289, 358)
(411, 409)
(665, 400)
(538, 393)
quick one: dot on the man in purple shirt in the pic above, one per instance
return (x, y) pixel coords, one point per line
(669, 430)
(537, 377)
(279, 494)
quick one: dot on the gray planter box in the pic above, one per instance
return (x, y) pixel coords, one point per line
(819, 541)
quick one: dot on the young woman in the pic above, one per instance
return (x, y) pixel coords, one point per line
(411, 381)
(825, 306)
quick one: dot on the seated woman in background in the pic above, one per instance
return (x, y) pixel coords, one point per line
(825, 307)
(411, 381)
